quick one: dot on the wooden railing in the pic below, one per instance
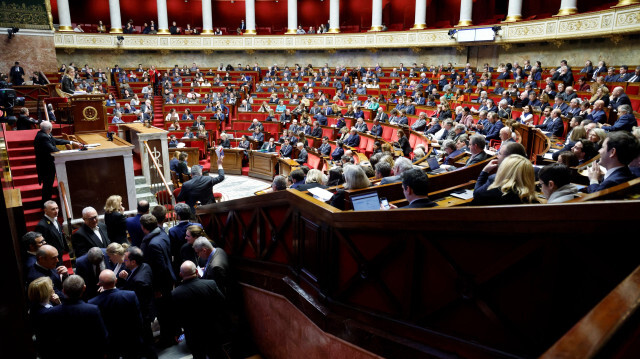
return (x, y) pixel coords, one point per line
(481, 282)
(158, 184)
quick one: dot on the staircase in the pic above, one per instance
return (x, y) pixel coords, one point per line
(158, 118)
(144, 192)
(22, 159)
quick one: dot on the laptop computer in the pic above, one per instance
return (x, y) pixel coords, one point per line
(434, 166)
(366, 202)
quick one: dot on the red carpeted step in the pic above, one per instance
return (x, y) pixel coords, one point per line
(245, 171)
(15, 151)
(137, 166)
(23, 180)
(23, 170)
(22, 160)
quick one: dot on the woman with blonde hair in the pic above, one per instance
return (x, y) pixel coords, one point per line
(115, 220)
(42, 297)
(354, 178)
(514, 184)
(600, 93)
(115, 252)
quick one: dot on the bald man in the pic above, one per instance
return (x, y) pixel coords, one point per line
(121, 315)
(199, 305)
(46, 265)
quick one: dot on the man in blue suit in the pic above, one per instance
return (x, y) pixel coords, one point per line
(354, 139)
(597, 114)
(89, 267)
(554, 127)
(493, 132)
(157, 253)
(133, 223)
(625, 122)
(46, 265)
(120, 311)
(617, 151)
(89, 332)
(178, 232)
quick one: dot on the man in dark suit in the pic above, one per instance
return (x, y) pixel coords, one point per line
(89, 332)
(199, 187)
(51, 229)
(46, 265)
(31, 242)
(178, 232)
(286, 149)
(623, 76)
(625, 122)
(217, 263)
(269, 146)
(89, 267)
(201, 308)
(139, 279)
(476, 147)
(120, 311)
(325, 147)
(354, 139)
(555, 127)
(415, 186)
(25, 122)
(17, 74)
(91, 234)
(133, 223)
(617, 151)
(302, 154)
(618, 97)
(45, 145)
(157, 253)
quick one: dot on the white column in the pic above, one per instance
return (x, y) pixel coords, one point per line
(250, 14)
(163, 20)
(64, 15)
(116, 20)
(334, 17)
(376, 15)
(421, 15)
(466, 9)
(568, 7)
(292, 16)
(207, 20)
(515, 11)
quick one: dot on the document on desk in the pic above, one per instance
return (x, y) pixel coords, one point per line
(321, 193)
(466, 194)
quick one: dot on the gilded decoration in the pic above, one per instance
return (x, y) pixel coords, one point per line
(24, 14)
(607, 21)
(579, 25)
(628, 19)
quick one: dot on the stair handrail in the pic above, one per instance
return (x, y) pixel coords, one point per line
(159, 173)
(63, 194)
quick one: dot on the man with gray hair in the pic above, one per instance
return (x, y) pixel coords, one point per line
(199, 187)
(217, 265)
(200, 305)
(90, 334)
(45, 145)
(90, 234)
(177, 233)
(402, 164)
(625, 122)
(89, 267)
(279, 183)
(476, 147)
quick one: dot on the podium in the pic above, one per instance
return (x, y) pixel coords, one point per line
(232, 160)
(89, 113)
(137, 134)
(287, 165)
(91, 176)
(262, 164)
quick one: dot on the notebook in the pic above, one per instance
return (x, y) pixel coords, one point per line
(434, 166)
(366, 202)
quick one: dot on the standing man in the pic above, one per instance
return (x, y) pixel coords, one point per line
(200, 305)
(199, 187)
(121, 315)
(89, 267)
(133, 223)
(47, 266)
(217, 266)
(177, 233)
(45, 145)
(157, 252)
(17, 74)
(51, 229)
(91, 234)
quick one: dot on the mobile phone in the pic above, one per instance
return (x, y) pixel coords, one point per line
(384, 203)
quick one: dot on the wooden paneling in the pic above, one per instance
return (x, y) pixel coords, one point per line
(92, 181)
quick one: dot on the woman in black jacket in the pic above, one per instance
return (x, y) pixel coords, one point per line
(403, 143)
(115, 220)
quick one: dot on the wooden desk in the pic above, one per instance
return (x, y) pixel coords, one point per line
(232, 160)
(91, 176)
(192, 152)
(286, 165)
(262, 165)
